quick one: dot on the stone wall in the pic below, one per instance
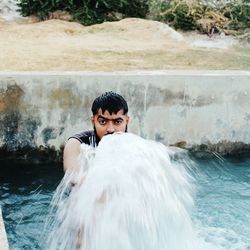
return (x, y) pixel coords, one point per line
(206, 110)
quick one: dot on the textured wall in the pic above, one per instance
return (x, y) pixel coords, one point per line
(40, 110)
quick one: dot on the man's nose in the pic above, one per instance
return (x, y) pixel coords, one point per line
(110, 128)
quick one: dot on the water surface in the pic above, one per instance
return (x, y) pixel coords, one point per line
(221, 213)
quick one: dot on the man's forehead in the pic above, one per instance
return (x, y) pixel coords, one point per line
(106, 113)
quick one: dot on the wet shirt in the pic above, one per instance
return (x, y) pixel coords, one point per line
(88, 137)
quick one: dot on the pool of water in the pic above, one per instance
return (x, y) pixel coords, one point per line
(221, 213)
(26, 190)
(222, 202)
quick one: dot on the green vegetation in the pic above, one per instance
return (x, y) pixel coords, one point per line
(231, 18)
(86, 11)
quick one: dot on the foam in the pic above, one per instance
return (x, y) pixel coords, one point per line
(129, 196)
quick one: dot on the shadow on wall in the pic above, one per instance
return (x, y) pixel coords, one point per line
(18, 129)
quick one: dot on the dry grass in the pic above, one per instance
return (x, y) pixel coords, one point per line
(130, 44)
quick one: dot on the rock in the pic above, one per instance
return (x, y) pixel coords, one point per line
(61, 15)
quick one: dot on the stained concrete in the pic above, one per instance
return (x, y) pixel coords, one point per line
(193, 109)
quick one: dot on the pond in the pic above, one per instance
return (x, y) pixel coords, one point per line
(220, 216)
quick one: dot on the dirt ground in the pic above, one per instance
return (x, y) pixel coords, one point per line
(129, 44)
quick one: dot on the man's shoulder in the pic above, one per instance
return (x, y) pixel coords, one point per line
(84, 136)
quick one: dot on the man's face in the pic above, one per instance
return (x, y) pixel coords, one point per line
(106, 123)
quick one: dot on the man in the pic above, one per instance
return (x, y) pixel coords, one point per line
(109, 116)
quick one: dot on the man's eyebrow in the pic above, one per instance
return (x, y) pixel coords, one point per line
(116, 119)
(100, 116)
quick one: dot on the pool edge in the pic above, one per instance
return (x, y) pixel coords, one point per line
(3, 236)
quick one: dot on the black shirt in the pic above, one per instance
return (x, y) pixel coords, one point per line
(88, 137)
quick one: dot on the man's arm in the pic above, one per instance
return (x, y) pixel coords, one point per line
(71, 155)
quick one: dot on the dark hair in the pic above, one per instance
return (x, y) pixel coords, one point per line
(110, 101)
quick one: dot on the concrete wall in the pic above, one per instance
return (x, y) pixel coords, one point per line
(191, 108)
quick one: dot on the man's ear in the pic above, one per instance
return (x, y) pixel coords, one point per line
(128, 119)
(92, 120)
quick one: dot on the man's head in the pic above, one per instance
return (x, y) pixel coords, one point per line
(109, 114)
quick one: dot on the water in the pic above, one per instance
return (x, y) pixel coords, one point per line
(131, 198)
(26, 190)
(220, 215)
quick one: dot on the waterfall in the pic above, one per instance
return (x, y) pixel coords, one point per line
(127, 195)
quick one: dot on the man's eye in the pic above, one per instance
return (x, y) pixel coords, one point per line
(102, 122)
(118, 122)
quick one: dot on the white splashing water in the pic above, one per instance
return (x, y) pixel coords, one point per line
(8, 10)
(129, 196)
